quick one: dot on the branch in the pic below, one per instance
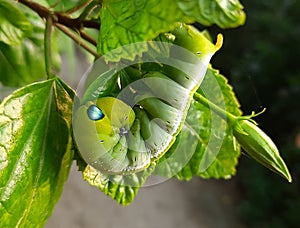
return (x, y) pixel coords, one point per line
(61, 18)
(87, 38)
(47, 47)
(78, 7)
(77, 39)
(89, 9)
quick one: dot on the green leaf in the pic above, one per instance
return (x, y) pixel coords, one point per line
(125, 22)
(13, 24)
(207, 139)
(24, 64)
(122, 188)
(35, 152)
(224, 13)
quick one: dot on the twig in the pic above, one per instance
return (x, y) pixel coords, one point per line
(61, 18)
(77, 39)
(88, 10)
(87, 38)
(78, 7)
(47, 47)
(64, 22)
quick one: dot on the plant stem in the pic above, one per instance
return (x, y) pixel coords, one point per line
(61, 18)
(78, 7)
(88, 9)
(47, 47)
(221, 112)
(87, 38)
(64, 22)
(77, 39)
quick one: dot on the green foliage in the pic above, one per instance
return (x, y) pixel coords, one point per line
(64, 5)
(22, 63)
(224, 162)
(225, 14)
(127, 22)
(35, 120)
(207, 161)
(122, 188)
(208, 126)
(178, 90)
(14, 25)
(34, 170)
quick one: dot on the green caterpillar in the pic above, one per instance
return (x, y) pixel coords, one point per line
(120, 140)
(115, 138)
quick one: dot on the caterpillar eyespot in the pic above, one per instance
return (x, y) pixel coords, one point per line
(95, 113)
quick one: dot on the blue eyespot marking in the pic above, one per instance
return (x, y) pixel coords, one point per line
(95, 113)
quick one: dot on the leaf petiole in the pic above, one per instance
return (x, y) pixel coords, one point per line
(47, 47)
(77, 40)
(78, 7)
(221, 112)
(88, 9)
(252, 139)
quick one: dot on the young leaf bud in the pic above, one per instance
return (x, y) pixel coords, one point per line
(260, 147)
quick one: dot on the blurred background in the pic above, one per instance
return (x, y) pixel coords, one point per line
(262, 63)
